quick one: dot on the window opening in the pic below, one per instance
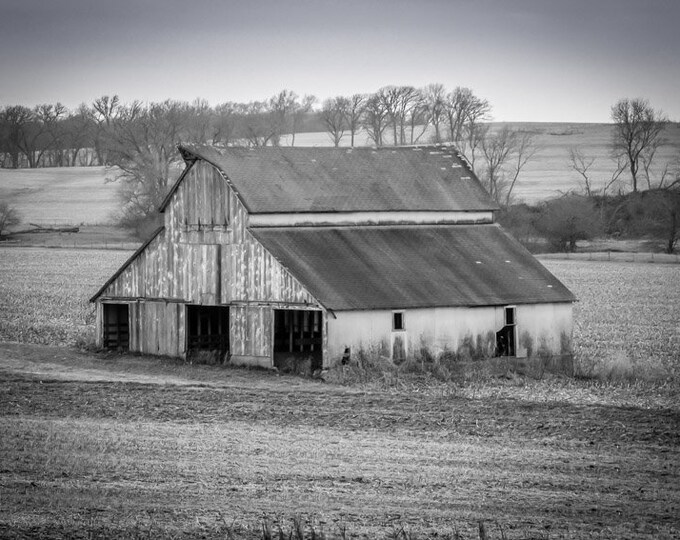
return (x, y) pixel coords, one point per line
(116, 326)
(398, 320)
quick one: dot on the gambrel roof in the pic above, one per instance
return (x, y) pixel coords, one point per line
(350, 268)
(295, 179)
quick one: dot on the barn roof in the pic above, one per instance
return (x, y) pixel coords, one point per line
(355, 268)
(296, 179)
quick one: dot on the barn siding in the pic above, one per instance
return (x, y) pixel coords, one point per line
(205, 256)
(446, 328)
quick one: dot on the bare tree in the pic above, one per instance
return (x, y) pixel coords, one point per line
(15, 120)
(523, 151)
(334, 114)
(581, 163)
(141, 142)
(375, 118)
(355, 113)
(637, 131)
(300, 110)
(502, 149)
(224, 123)
(281, 107)
(435, 96)
(104, 111)
(255, 126)
(462, 108)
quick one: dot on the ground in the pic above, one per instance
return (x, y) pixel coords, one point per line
(108, 445)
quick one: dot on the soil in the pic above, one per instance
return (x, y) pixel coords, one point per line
(522, 457)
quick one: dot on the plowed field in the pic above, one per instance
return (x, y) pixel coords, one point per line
(96, 446)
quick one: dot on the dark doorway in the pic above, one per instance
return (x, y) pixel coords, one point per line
(116, 327)
(208, 334)
(298, 340)
(505, 338)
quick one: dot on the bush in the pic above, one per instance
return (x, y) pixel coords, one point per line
(9, 217)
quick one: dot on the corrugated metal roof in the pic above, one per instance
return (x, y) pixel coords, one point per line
(295, 179)
(354, 268)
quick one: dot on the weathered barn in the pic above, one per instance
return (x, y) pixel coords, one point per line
(274, 254)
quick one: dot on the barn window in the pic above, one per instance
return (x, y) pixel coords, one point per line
(208, 331)
(398, 322)
(298, 338)
(510, 315)
(116, 326)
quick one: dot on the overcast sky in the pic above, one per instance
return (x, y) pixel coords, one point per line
(534, 60)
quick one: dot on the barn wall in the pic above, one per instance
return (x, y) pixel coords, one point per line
(546, 326)
(205, 256)
(446, 328)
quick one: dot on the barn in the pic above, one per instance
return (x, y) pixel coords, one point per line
(275, 255)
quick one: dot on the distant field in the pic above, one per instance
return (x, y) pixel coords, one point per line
(60, 195)
(80, 195)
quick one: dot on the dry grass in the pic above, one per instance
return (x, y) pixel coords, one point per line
(625, 322)
(44, 293)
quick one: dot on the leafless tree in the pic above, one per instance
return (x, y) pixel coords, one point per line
(355, 113)
(104, 111)
(141, 142)
(435, 96)
(15, 120)
(636, 134)
(581, 163)
(375, 118)
(334, 114)
(506, 148)
(224, 124)
(255, 126)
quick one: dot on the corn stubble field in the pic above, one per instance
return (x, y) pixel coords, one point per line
(103, 445)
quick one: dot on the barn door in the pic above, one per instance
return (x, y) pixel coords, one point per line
(505, 338)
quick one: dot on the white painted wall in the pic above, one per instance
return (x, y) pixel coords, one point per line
(440, 328)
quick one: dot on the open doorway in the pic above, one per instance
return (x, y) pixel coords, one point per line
(116, 333)
(208, 334)
(505, 337)
(298, 340)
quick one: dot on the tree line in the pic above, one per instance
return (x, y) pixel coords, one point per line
(139, 140)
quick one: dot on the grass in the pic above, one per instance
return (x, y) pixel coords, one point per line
(44, 293)
(625, 322)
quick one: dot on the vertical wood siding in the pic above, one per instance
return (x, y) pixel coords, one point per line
(205, 255)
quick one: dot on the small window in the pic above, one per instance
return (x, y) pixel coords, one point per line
(509, 316)
(398, 320)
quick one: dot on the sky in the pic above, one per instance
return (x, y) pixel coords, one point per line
(533, 60)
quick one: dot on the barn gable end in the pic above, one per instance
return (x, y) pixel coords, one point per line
(205, 256)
